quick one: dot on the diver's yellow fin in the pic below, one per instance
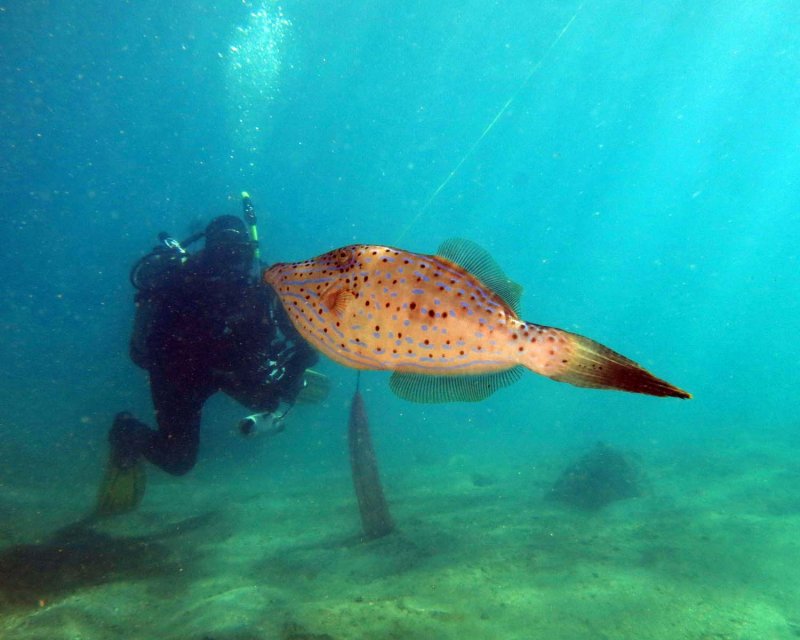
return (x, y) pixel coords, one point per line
(121, 490)
(316, 387)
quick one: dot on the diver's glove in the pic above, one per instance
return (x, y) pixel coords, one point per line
(268, 423)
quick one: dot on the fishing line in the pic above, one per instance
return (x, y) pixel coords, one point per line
(424, 209)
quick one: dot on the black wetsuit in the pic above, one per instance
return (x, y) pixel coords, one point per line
(202, 334)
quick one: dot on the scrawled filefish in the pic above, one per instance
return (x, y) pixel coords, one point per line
(446, 325)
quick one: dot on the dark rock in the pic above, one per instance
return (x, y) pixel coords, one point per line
(294, 631)
(482, 479)
(600, 477)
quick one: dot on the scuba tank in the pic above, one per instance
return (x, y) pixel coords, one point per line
(156, 272)
(149, 275)
(151, 270)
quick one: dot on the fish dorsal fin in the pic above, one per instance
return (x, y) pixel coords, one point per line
(424, 388)
(480, 264)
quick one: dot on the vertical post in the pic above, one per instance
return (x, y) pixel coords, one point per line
(375, 518)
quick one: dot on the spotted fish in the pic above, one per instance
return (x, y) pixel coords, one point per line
(446, 325)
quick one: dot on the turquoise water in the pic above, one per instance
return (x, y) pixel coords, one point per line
(633, 165)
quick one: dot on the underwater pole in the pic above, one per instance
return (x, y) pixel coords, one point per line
(375, 518)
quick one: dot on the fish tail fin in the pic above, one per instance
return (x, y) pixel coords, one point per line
(569, 357)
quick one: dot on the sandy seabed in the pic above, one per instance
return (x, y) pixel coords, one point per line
(710, 552)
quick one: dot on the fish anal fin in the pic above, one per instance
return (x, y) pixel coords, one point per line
(431, 389)
(479, 263)
(336, 300)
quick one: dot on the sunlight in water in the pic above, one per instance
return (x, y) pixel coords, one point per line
(254, 66)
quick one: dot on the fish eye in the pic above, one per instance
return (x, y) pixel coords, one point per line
(343, 257)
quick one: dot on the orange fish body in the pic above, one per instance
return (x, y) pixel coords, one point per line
(446, 325)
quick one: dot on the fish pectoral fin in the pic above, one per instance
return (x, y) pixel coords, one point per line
(458, 388)
(336, 300)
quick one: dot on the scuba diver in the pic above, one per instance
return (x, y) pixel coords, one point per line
(204, 324)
